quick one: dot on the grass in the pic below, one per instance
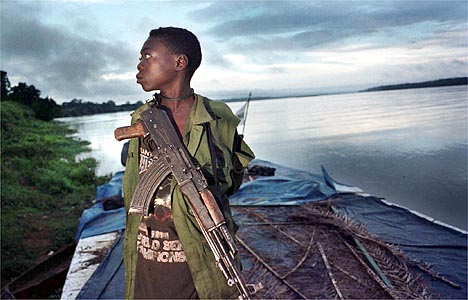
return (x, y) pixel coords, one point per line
(44, 189)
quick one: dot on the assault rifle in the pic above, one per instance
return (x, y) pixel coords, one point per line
(172, 157)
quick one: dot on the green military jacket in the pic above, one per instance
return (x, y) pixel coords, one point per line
(230, 161)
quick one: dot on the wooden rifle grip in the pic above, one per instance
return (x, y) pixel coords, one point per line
(128, 132)
(212, 206)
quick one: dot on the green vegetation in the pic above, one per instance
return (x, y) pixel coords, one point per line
(79, 108)
(44, 189)
(46, 109)
(43, 108)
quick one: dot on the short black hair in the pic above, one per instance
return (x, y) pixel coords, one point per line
(180, 41)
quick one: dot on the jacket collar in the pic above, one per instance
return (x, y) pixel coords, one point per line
(199, 113)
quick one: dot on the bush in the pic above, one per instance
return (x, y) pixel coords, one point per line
(44, 189)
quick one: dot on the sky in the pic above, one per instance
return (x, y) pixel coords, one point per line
(89, 50)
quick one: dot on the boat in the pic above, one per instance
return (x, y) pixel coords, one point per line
(44, 279)
(301, 236)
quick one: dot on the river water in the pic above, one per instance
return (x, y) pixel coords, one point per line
(407, 146)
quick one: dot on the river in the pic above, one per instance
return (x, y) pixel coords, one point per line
(407, 146)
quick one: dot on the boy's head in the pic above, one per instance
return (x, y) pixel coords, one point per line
(180, 41)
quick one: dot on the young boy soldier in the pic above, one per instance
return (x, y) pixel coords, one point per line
(165, 254)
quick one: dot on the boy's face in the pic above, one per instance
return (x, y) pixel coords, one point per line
(157, 67)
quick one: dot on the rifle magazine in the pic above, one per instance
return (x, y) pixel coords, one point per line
(148, 187)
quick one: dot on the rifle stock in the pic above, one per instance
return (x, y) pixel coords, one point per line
(128, 132)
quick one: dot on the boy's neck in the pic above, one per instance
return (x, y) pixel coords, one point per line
(187, 95)
(177, 97)
(175, 105)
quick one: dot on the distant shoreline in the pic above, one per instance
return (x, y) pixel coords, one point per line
(77, 108)
(425, 84)
(401, 86)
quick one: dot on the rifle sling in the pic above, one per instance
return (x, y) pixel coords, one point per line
(211, 146)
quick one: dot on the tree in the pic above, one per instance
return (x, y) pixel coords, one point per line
(110, 103)
(45, 109)
(6, 86)
(24, 94)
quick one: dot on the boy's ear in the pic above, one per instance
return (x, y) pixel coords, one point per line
(182, 62)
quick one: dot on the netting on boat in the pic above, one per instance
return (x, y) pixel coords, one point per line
(310, 252)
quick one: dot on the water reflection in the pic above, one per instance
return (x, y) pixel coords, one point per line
(348, 114)
(99, 131)
(408, 146)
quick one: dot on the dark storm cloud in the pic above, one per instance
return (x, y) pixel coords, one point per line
(57, 60)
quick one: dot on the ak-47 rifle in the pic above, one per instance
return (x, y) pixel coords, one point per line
(172, 157)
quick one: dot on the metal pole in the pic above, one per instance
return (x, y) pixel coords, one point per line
(245, 114)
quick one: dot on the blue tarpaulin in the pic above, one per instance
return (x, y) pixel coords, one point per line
(287, 187)
(95, 220)
(442, 247)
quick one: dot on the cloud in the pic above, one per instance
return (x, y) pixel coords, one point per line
(276, 17)
(299, 25)
(75, 50)
(58, 60)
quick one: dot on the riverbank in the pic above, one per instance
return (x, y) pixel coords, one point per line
(44, 189)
